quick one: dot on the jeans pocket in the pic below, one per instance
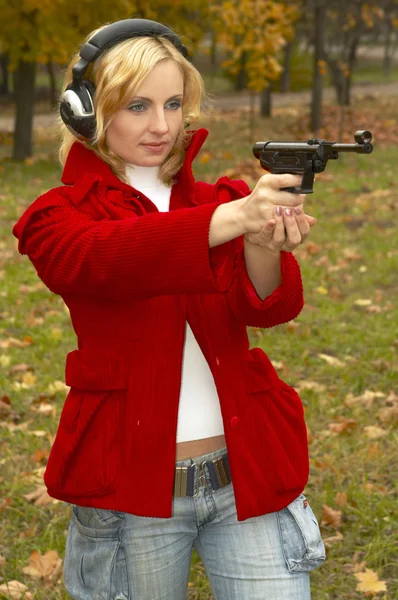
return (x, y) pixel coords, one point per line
(95, 563)
(301, 539)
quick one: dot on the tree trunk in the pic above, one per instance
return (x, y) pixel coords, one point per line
(352, 57)
(53, 84)
(387, 48)
(338, 80)
(266, 102)
(241, 78)
(252, 115)
(213, 56)
(319, 54)
(4, 86)
(24, 86)
(285, 77)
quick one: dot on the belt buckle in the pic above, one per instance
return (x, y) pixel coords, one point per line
(220, 471)
(180, 482)
(201, 479)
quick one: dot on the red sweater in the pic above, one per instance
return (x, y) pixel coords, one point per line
(132, 276)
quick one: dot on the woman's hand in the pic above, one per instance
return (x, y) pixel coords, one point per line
(256, 209)
(287, 229)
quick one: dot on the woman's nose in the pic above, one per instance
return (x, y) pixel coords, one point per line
(158, 122)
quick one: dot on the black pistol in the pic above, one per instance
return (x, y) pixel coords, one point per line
(307, 158)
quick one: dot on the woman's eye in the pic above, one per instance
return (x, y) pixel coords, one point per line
(137, 107)
(140, 107)
(175, 105)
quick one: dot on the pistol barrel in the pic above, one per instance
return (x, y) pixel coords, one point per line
(365, 148)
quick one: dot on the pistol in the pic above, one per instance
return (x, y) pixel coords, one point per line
(307, 158)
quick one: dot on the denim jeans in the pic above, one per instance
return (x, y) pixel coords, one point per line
(113, 555)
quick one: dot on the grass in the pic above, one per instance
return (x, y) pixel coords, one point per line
(351, 255)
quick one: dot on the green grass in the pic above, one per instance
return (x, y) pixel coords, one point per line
(352, 214)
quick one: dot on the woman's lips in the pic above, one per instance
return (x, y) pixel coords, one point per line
(155, 147)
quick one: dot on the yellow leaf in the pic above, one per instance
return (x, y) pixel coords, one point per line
(374, 432)
(29, 379)
(321, 290)
(369, 582)
(205, 157)
(363, 302)
(332, 360)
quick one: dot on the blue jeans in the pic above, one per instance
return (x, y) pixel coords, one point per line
(113, 555)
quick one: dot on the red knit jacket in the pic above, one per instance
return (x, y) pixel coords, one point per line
(131, 277)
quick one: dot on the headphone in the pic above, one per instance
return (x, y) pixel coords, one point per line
(76, 103)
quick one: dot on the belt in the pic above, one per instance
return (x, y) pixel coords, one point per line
(219, 475)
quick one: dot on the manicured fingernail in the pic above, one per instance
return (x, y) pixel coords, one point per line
(278, 211)
(297, 210)
(288, 211)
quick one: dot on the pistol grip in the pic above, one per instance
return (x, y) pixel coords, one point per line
(306, 186)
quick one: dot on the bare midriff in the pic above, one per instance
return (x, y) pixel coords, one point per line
(198, 447)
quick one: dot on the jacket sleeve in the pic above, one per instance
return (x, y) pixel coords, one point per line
(136, 258)
(285, 302)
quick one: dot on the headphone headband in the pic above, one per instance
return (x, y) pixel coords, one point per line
(118, 32)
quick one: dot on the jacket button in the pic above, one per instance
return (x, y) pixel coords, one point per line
(234, 422)
(217, 361)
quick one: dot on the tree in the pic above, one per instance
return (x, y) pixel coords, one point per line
(347, 23)
(253, 32)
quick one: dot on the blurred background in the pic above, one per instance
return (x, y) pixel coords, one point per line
(251, 53)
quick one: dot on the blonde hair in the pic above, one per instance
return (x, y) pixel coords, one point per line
(117, 74)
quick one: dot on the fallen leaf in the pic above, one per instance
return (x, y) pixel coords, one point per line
(365, 399)
(341, 498)
(205, 157)
(39, 495)
(311, 385)
(44, 566)
(331, 516)
(343, 424)
(321, 290)
(332, 360)
(312, 248)
(369, 582)
(374, 432)
(333, 539)
(363, 302)
(14, 590)
(352, 254)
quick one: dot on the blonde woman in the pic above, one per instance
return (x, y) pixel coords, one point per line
(174, 435)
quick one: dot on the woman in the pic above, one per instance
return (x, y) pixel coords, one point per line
(174, 435)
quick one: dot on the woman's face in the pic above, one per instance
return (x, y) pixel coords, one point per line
(152, 116)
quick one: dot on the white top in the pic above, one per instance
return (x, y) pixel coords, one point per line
(199, 413)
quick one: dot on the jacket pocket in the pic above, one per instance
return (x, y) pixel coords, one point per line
(259, 372)
(86, 450)
(87, 370)
(301, 539)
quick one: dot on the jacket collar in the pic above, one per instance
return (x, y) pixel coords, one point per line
(83, 163)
